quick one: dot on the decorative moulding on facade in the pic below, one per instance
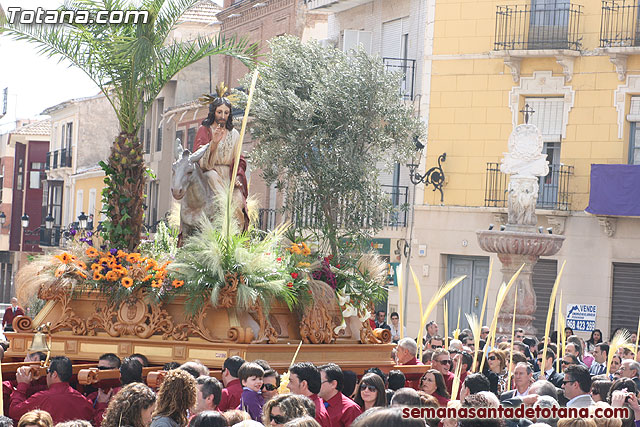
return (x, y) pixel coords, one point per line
(608, 225)
(557, 223)
(513, 59)
(620, 96)
(500, 218)
(542, 83)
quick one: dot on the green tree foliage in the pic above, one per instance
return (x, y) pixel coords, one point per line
(130, 63)
(324, 119)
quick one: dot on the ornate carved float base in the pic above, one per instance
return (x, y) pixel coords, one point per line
(159, 351)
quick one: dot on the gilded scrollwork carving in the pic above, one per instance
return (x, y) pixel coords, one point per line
(267, 331)
(68, 318)
(228, 294)
(193, 325)
(316, 324)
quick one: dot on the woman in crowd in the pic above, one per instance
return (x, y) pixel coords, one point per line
(132, 406)
(36, 418)
(286, 407)
(432, 382)
(497, 373)
(370, 392)
(600, 390)
(176, 396)
(596, 338)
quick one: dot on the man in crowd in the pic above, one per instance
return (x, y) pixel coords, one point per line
(600, 355)
(232, 391)
(340, 408)
(473, 384)
(442, 362)
(100, 398)
(574, 350)
(484, 333)
(395, 327)
(568, 360)
(435, 342)
(60, 400)
(630, 369)
(548, 369)
(522, 379)
(209, 394)
(576, 386)
(432, 330)
(518, 335)
(381, 320)
(304, 379)
(11, 313)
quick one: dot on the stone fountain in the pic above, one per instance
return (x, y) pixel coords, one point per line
(520, 242)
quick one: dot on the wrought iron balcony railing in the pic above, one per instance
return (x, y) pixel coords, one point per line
(306, 214)
(408, 69)
(619, 24)
(552, 25)
(59, 158)
(267, 219)
(553, 192)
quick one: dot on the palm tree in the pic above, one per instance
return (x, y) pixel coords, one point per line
(130, 63)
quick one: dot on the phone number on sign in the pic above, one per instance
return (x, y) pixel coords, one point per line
(581, 325)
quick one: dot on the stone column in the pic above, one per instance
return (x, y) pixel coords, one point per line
(526, 308)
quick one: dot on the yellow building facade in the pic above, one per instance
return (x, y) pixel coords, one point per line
(577, 66)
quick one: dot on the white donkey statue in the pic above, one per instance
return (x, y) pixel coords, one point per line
(191, 187)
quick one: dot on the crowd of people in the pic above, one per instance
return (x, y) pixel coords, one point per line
(516, 374)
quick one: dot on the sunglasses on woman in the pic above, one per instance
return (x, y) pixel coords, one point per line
(268, 387)
(371, 388)
(278, 419)
(492, 358)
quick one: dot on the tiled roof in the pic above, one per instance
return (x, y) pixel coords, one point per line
(42, 127)
(202, 12)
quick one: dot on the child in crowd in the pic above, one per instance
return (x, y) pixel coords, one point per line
(251, 376)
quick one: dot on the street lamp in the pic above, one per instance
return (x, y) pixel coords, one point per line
(25, 220)
(434, 176)
(3, 219)
(48, 221)
(82, 219)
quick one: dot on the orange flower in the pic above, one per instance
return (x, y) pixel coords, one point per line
(81, 274)
(104, 261)
(112, 276)
(133, 257)
(81, 264)
(161, 274)
(92, 252)
(64, 257)
(147, 277)
(156, 284)
(151, 263)
(121, 254)
(177, 283)
(96, 267)
(127, 282)
(97, 276)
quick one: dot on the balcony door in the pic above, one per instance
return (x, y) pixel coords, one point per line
(634, 134)
(395, 53)
(549, 24)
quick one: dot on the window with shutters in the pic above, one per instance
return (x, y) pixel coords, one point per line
(147, 141)
(159, 111)
(634, 132)
(625, 298)
(395, 53)
(547, 116)
(353, 39)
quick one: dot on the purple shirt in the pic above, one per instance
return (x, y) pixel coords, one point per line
(251, 402)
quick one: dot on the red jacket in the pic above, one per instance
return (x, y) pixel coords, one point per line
(9, 315)
(231, 396)
(60, 400)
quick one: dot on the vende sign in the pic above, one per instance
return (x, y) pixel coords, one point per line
(581, 317)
